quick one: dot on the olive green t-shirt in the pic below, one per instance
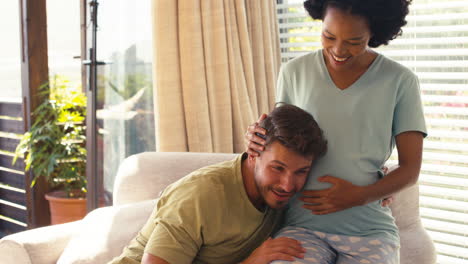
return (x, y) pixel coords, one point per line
(205, 217)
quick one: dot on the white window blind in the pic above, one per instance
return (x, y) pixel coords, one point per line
(435, 46)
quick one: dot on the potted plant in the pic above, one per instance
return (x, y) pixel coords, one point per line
(54, 148)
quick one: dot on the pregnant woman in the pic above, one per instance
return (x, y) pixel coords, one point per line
(366, 105)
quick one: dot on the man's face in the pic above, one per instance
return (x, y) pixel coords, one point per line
(279, 174)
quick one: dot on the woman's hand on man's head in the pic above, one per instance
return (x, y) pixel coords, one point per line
(253, 142)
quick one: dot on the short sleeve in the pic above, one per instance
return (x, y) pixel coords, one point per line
(409, 114)
(283, 87)
(177, 236)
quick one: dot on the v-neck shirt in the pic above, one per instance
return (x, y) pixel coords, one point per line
(360, 124)
(369, 70)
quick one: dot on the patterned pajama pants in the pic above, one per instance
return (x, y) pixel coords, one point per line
(325, 248)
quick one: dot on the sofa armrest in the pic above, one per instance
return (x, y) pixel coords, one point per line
(416, 245)
(105, 232)
(37, 246)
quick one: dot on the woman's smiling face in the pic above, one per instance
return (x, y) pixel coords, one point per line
(345, 39)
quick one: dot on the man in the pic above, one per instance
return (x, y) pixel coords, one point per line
(225, 213)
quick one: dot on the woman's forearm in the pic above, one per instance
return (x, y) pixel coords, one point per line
(409, 146)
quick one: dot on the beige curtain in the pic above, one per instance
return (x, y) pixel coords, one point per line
(215, 68)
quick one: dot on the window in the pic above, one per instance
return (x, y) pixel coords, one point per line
(63, 39)
(13, 215)
(124, 97)
(435, 46)
(10, 60)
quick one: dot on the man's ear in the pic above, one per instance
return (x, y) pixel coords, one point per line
(252, 158)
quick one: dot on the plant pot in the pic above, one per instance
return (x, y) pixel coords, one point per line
(64, 209)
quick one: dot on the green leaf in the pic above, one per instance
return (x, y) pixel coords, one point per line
(56, 136)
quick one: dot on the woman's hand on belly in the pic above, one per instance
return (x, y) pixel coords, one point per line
(340, 196)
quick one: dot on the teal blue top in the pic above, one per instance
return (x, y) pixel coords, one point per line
(360, 124)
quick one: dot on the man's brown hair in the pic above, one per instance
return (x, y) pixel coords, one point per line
(295, 129)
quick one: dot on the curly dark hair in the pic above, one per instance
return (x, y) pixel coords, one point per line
(385, 17)
(295, 129)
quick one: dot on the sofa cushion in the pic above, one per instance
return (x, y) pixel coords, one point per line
(105, 232)
(39, 246)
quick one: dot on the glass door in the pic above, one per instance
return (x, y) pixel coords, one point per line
(120, 92)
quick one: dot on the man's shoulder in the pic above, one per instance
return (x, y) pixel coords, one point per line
(215, 175)
(204, 183)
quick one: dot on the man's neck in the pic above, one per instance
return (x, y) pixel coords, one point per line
(248, 177)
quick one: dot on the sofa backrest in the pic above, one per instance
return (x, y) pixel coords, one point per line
(143, 176)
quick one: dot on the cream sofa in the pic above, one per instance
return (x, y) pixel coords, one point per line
(103, 233)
